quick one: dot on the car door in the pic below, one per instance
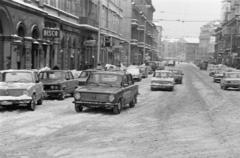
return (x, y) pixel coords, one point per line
(38, 86)
(73, 83)
(67, 82)
(127, 90)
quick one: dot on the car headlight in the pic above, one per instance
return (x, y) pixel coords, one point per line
(25, 93)
(77, 96)
(111, 98)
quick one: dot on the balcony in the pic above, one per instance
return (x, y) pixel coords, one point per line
(141, 28)
(141, 44)
(134, 22)
(134, 42)
(88, 21)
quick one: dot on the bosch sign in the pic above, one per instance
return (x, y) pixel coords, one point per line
(51, 33)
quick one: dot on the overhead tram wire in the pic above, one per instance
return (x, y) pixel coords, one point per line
(182, 21)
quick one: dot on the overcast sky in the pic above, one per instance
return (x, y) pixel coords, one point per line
(193, 10)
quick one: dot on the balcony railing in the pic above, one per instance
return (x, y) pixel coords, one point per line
(134, 22)
(141, 28)
(134, 41)
(141, 44)
(88, 21)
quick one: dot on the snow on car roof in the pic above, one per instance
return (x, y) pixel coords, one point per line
(15, 70)
(163, 71)
(110, 72)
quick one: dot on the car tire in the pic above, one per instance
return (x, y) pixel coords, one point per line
(78, 108)
(172, 88)
(40, 101)
(152, 89)
(32, 104)
(62, 96)
(133, 102)
(117, 108)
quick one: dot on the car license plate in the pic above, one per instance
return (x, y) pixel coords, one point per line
(6, 103)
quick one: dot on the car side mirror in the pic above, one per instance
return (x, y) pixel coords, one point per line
(67, 78)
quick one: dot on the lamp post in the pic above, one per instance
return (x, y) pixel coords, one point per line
(99, 31)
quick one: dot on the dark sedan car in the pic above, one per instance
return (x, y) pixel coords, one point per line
(106, 89)
(58, 83)
(82, 78)
(178, 75)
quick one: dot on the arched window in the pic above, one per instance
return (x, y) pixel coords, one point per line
(21, 29)
(35, 32)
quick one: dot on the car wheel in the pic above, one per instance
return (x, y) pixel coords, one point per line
(117, 108)
(62, 96)
(78, 108)
(133, 102)
(152, 89)
(40, 101)
(32, 104)
(172, 88)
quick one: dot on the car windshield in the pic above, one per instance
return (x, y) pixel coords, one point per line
(233, 75)
(108, 79)
(135, 71)
(51, 75)
(17, 77)
(84, 74)
(163, 74)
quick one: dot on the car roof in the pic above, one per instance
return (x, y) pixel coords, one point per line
(232, 72)
(110, 72)
(16, 70)
(89, 70)
(163, 71)
(55, 71)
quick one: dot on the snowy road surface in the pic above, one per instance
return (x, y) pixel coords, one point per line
(197, 120)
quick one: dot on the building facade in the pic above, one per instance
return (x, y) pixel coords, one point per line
(144, 33)
(75, 34)
(207, 42)
(35, 34)
(227, 50)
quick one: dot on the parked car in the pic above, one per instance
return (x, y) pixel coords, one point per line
(135, 72)
(144, 71)
(162, 79)
(58, 83)
(178, 75)
(20, 88)
(217, 77)
(82, 78)
(230, 80)
(107, 89)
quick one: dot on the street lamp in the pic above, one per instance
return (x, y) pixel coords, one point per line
(99, 31)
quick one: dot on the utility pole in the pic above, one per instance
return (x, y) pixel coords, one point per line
(99, 31)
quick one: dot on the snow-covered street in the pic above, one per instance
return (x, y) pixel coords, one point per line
(196, 120)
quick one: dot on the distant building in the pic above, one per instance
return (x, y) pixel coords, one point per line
(207, 41)
(191, 49)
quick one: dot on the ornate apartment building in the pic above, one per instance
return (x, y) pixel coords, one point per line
(74, 34)
(227, 50)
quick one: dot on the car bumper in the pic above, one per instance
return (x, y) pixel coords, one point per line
(7, 100)
(53, 92)
(95, 104)
(217, 79)
(161, 86)
(232, 85)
